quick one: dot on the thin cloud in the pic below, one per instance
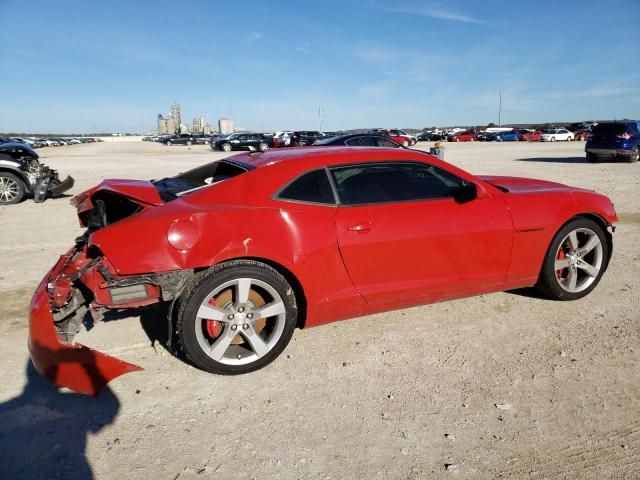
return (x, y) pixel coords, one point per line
(594, 93)
(429, 11)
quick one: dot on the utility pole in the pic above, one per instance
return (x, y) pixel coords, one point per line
(500, 110)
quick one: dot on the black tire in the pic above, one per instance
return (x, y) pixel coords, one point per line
(12, 189)
(203, 285)
(635, 155)
(548, 283)
(592, 158)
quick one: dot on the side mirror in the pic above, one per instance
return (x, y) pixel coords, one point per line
(466, 193)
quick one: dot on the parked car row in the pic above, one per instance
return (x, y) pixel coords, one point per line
(522, 135)
(49, 142)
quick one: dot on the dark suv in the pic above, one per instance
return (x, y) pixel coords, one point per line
(614, 140)
(243, 141)
(300, 139)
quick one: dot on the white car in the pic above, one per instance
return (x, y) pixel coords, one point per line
(556, 134)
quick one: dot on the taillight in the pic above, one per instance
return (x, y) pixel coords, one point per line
(624, 136)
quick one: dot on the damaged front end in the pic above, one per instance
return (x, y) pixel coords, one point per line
(36, 178)
(78, 290)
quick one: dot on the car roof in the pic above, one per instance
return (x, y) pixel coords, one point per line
(332, 155)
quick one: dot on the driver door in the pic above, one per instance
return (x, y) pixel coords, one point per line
(405, 240)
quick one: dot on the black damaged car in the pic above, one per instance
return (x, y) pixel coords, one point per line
(22, 174)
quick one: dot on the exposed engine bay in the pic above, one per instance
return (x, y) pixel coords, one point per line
(22, 174)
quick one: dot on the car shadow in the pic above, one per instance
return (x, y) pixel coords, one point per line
(554, 159)
(530, 292)
(44, 430)
(156, 324)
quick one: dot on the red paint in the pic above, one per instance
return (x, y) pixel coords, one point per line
(182, 234)
(401, 255)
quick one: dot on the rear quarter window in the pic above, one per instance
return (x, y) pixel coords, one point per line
(311, 187)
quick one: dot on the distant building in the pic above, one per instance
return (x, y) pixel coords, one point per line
(225, 125)
(170, 124)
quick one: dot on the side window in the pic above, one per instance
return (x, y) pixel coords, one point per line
(313, 187)
(385, 183)
(385, 142)
(360, 142)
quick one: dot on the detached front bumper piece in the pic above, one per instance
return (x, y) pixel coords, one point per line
(74, 366)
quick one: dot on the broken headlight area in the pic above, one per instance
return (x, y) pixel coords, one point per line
(80, 288)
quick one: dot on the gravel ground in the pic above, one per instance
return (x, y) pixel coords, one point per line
(498, 386)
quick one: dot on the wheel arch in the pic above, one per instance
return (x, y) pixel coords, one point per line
(292, 279)
(20, 174)
(588, 216)
(605, 228)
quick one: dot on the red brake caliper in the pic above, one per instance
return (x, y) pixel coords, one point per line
(214, 328)
(561, 255)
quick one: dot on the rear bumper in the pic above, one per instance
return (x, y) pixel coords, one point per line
(74, 366)
(609, 152)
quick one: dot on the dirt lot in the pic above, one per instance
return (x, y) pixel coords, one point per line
(398, 395)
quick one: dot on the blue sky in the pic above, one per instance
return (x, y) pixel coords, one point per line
(114, 65)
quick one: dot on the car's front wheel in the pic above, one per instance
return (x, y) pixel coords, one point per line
(188, 143)
(236, 317)
(226, 147)
(635, 154)
(263, 147)
(575, 261)
(12, 189)
(168, 144)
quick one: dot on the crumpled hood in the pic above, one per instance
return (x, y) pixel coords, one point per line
(521, 184)
(141, 190)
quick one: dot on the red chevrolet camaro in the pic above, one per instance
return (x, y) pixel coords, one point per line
(247, 249)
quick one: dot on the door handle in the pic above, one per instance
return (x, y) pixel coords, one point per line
(360, 227)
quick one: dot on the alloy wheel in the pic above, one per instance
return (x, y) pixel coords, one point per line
(579, 259)
(240, 321)
(9, 190)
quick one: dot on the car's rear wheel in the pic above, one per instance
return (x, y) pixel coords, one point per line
(569, 138)
(236, 318)
(188, 143)
(635, 154)
(168, 143)
(592, 158)
(263, 147)
(575, 261)
(405, 144)
(553, 139)
(12, 189)
(226, 147)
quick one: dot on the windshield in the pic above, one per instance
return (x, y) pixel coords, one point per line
(171, 188)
